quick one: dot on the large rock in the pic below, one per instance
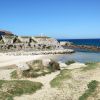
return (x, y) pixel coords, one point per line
(46, 62)
(22, 66)
(62, 65)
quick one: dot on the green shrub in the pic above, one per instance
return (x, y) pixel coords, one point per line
(9, 89)
(90, 65)
(14, 74)
(64, 74)
(91, 88)
(30, 73)
(70, 62)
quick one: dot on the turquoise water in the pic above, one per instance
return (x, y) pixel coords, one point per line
(79, 57)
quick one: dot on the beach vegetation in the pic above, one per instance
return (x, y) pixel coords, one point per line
(14, 74)
(90, 66)
(64, 74)
(91, 88)
(36, 69)
(10, 89)
(70, 62)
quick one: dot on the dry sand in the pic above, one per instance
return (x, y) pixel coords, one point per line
(46, 93)
(10, 60)
(71, 88)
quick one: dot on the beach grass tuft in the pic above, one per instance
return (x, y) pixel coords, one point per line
(10, 89)
(70, 62)
(36, 68)
(64, 74)
(90, 66)
(91, 88)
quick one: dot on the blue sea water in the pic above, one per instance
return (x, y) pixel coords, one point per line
(78, 56)
(90, 42)
(81, 55)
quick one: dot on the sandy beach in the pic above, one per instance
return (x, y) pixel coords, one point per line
(11, 60)
(70, 89)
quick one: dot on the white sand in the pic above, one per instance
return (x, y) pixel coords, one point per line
(71, 89)
(10, 60)
(46, 93)
(76, 65)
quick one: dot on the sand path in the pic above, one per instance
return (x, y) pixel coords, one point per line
(46, 93)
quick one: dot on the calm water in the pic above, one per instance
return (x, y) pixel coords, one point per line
(78, 56)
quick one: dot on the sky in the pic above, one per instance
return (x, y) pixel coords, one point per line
(54, 18)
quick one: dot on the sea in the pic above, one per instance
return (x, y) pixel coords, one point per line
(81, 55)
(90, 42)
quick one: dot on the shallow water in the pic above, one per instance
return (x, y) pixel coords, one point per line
(78, 56)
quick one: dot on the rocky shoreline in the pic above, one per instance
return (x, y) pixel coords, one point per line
(70, 45)
(63, 51)
(85, 47)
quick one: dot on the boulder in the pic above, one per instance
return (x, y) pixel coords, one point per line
(22, 66)
(62, 65)
(46, 62)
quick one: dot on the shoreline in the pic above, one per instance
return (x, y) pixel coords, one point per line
(85, 47)
(62, 51)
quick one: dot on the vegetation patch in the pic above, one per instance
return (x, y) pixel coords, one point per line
(91, 88)
(90, 65)
(9, 89)
(64, 74)
(14, 74)
(70, 62)
(37, 69)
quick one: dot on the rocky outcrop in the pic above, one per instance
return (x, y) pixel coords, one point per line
(84, 47)
(4, 32)
(12, 43)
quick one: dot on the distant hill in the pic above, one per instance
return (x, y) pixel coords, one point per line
(4, 32)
